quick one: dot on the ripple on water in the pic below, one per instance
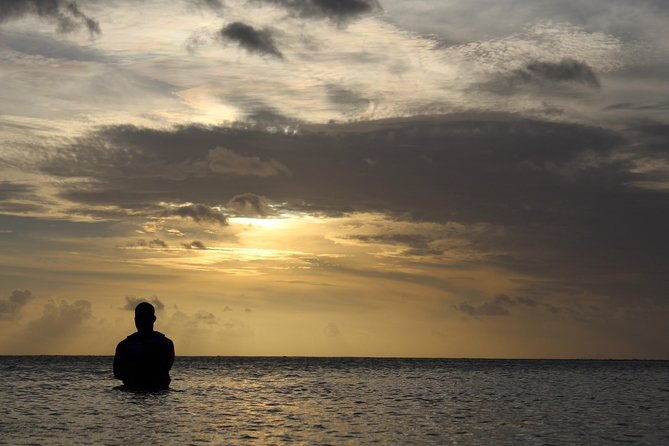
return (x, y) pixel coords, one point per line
(73, 400)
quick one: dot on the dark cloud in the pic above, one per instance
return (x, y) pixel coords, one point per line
(561, 201)
(267, 116)
(195, 244)
(252, 40)
(224, 161)
(141, 243)
(419, 244)
(548, 77)
(198, 213)
(347, 99)
(19, 198)
(249, 205)
(567, 70)
(336, 10)
(10, 308)
(131, 302)
(498, 306)
(10, 190)
(658, 106)
(65, 14)
(21, 208)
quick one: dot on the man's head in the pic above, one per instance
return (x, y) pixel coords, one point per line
(145, 316)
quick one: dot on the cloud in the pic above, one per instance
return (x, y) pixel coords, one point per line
(444, 19)
(10, 190)
(222, 160)
(10, 308)
(59, 318)
(498, 306)
(266, 116)
(249, 205)
(65, 14)
(153, 244)
(198, 213)
(205, 317)
(553, 197)
(131, 302)
(657, 106)
(196, 244)
(335, 10)
(213, 5)
(251, 39)
(546, 77)
(42, 45)
(567, 70)
(348, 99)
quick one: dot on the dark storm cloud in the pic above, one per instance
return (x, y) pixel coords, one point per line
(131, 302)
(252, 40)
(559, 198)
(198, 213)
(10, 308)
(195, 244)
(335, 10)
(65, 14)
(249, 205)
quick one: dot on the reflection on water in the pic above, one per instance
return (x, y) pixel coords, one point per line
(74, 400)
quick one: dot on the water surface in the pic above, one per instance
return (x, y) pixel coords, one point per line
(228, 400)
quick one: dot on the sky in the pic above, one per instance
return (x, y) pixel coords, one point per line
(428, 178)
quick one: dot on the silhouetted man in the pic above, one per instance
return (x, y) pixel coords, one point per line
(144, 359)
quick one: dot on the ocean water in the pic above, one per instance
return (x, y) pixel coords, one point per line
(312, 401)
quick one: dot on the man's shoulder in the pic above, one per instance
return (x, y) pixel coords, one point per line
(163, 338)
(127, 339)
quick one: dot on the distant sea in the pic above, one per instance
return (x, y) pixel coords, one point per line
(317, 401)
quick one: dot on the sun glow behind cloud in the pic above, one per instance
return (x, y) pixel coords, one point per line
(419, 179)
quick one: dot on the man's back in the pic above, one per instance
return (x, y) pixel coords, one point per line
(144, 359)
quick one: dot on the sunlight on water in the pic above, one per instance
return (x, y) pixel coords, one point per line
(73, 400)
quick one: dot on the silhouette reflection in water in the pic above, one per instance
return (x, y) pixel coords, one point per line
(144, 359)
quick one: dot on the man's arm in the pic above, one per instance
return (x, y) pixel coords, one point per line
(169, 354)
(119, 362)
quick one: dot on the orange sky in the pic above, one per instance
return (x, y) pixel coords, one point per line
(371, 180)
